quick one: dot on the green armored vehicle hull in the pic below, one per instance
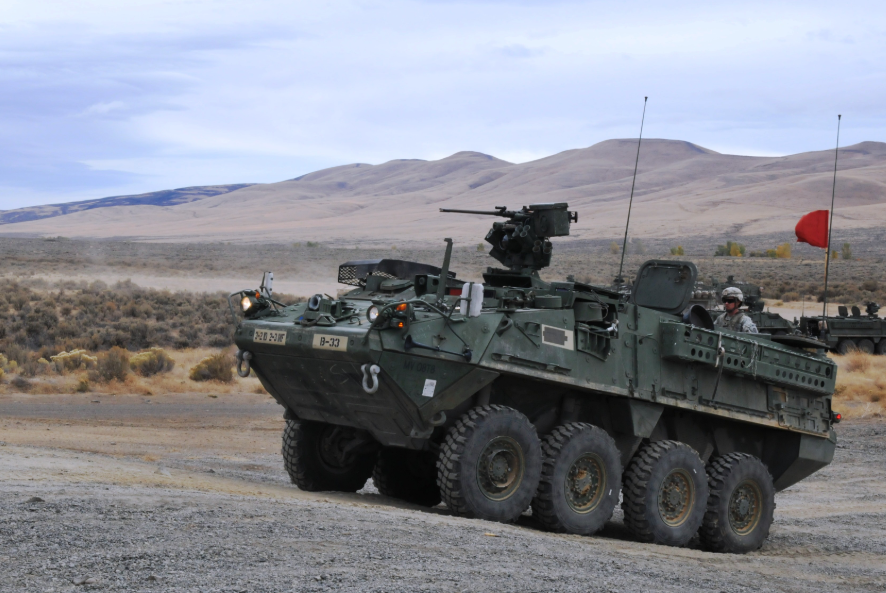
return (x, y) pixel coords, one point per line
(517, 392)
(849, 331)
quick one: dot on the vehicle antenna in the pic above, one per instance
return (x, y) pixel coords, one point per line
(827, 257)
(618, 279)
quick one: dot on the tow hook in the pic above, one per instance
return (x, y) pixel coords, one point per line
(370, 373)
(243, 358)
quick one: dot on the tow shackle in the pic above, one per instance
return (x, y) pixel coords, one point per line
(370, 375)
(243, 358)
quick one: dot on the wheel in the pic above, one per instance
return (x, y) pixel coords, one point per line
(881, 346)
(316, 457)
(846, 346)
(740, 506)
(866, 346)
(489, 464)
(665, 493)
(408, 475)
(580, 479)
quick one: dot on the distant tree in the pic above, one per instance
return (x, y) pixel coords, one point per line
(847, 251)
(731, 249)
(773, 253)
(613, 248)
(678, 250)
(783, 251)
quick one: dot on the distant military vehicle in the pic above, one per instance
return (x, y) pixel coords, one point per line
(849, 331)
(558, 395)
(708, 296)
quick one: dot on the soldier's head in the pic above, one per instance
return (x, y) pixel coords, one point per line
(732, 299)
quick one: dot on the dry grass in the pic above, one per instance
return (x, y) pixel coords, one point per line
(174, 381)
(861, 385)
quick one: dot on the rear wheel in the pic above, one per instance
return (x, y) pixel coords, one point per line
(408, 475)
(489, 464)
(741, 504)
(665, 493)
(881, 346)
(866, 346)
(846, 346)
(320, 456)
(580, 479)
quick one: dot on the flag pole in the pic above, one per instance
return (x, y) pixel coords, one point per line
(827, 255)
(618, 279)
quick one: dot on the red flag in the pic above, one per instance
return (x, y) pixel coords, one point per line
(813, 229)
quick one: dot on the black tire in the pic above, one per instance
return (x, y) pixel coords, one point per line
(741, 504)
(311, 456)
(489, 464)
(580, 479)
(881, 346)
(408, 475)
(665, 493)
(866, 346)
(846, 346)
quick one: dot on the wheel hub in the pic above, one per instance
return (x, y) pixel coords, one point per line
(500, 469)
(585, 482)
(676, 497)
(745, 508)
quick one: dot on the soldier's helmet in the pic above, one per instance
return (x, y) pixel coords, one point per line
(732, 292)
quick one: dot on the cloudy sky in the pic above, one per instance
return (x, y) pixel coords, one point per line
(106, 98)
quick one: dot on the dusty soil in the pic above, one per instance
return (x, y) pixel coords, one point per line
(186, 492)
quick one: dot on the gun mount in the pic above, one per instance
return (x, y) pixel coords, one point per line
(522, 243)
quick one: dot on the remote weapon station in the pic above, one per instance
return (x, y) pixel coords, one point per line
(518, 392)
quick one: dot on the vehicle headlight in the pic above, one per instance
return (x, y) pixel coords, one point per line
(246, 304)
(372, 313)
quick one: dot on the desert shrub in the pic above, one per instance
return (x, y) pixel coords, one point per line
(790, 296)
(481, 247)
(847, 251)
(73, 361)
(678, 250)
(150, 362)
(217, 367)
(113, 364)
(21, 384)
(856, 362)
(82, 385)
(613, 248)
(783, 251)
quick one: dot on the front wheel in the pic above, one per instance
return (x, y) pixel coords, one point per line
(580, 479)
(489, 464)
(866, 346)
(323, 457)
(846, 346)
(665, 493)
(741, 504)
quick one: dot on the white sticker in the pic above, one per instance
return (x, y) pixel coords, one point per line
(327, 342)
(430, 386)
(269, 336)
(557, 337)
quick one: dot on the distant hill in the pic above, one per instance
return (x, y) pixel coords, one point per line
(166, 197)
(682, 190)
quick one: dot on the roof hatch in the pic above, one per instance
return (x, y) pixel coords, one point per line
(665, 285)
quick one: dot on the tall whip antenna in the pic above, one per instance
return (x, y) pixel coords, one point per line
(618, 279)
(827, 257)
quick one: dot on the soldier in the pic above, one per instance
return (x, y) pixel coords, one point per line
(734, 318)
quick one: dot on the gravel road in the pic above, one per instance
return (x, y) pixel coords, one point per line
(187, 493)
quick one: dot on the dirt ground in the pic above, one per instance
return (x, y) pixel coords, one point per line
(186, 492)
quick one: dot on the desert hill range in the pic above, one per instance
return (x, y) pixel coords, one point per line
(681, 190)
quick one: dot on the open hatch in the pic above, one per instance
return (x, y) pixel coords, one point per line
(665, 285)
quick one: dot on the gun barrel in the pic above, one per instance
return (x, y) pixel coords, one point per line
(500, 212)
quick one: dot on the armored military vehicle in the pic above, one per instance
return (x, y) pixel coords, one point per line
(708, 296)
(513, 392)
(849, 330)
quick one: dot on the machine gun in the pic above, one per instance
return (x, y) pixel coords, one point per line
(522, 243)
